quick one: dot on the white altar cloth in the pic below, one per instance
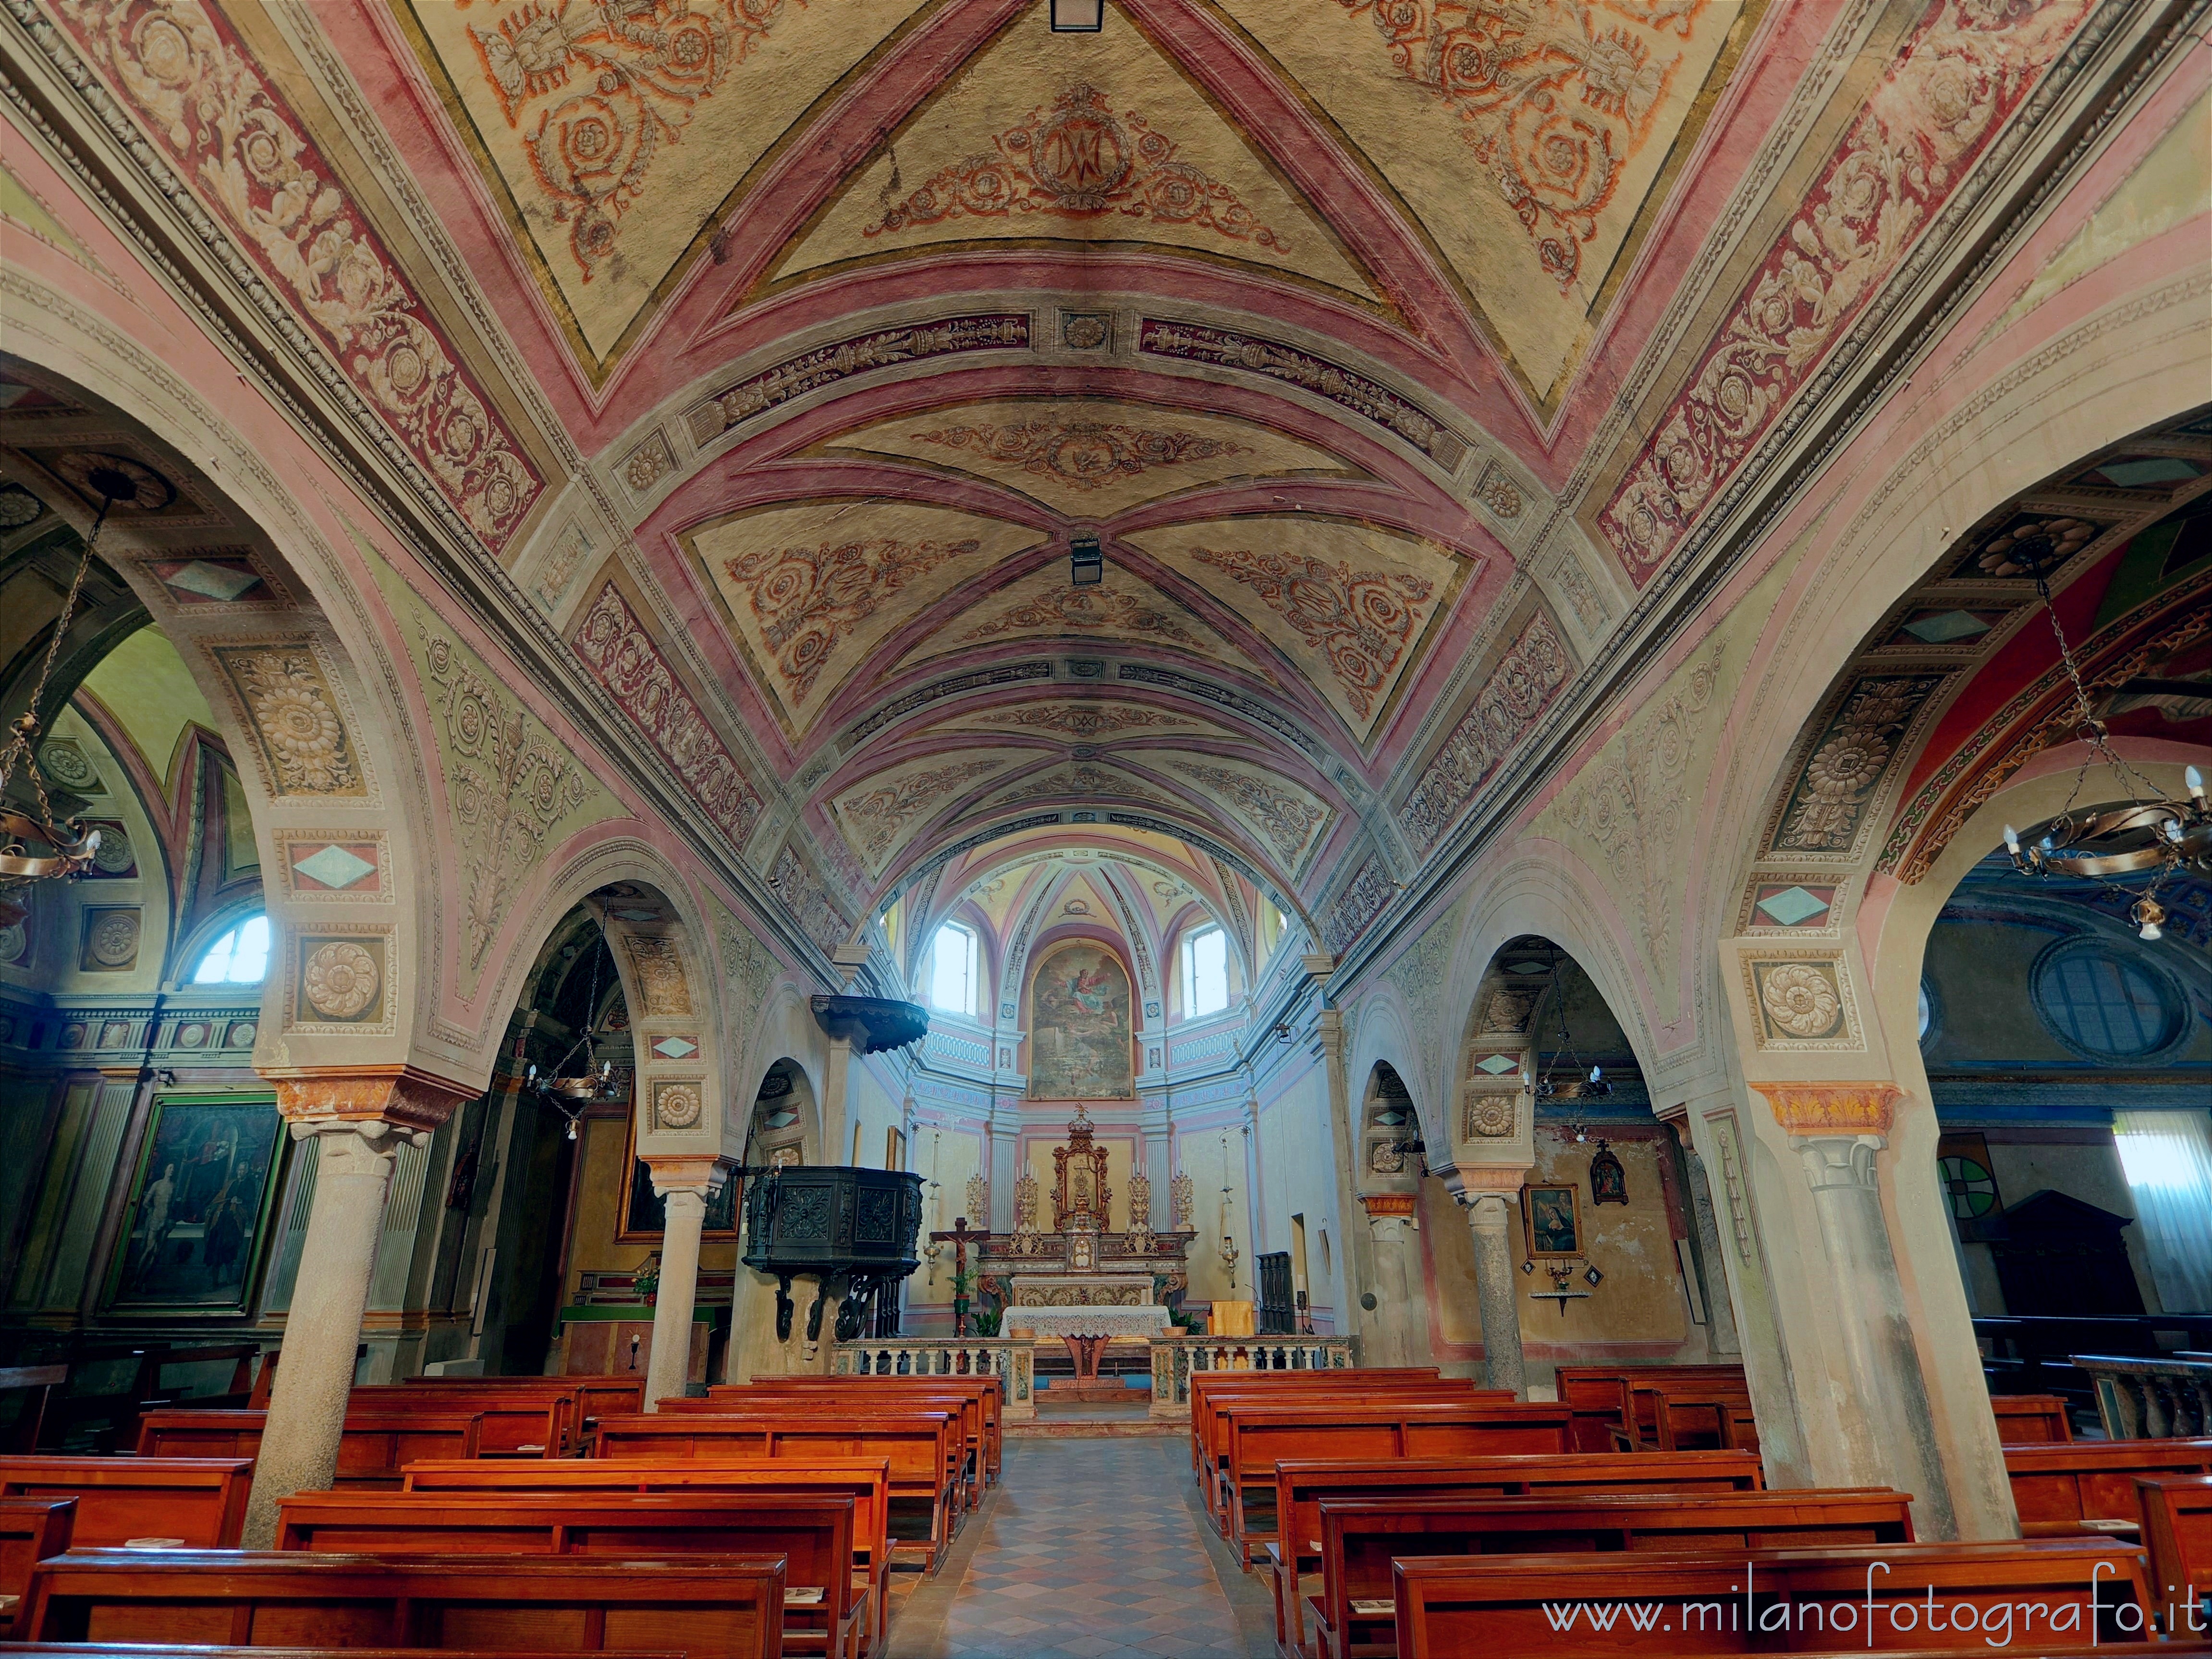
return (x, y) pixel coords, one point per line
(1150, 1320)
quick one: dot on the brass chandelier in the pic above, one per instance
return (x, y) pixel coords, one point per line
(572, 1096)
(2151, 832)
(70, 845)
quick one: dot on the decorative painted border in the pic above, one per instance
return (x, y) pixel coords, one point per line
(1888, 179)
(1372, 401)
(217, 116)
(826, 365)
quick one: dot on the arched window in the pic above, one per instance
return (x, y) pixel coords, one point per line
(953, 968)
(1205, 971)
(240, 956)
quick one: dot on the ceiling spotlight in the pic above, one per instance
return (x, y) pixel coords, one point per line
(1086, 564)
(1078, 16)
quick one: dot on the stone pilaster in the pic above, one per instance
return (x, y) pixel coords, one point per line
(1389, 1222)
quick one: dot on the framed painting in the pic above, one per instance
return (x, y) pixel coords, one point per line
(645, 1218)
(1553, 1218)
(197, 1221)
(1080, 1030)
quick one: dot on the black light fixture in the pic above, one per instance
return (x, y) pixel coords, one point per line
(1086, 562)
(1078, 16)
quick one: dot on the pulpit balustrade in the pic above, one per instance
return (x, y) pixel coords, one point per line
(1010, 1360)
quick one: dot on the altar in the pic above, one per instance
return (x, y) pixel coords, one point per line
(1083, 1282)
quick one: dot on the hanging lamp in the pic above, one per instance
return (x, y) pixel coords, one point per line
(70, 845)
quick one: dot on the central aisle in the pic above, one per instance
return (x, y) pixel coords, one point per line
(1090, 1547)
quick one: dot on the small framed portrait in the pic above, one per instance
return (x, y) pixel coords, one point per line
(1552, 1218)
(893, 1149)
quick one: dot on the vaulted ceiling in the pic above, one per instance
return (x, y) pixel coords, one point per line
(802, 337)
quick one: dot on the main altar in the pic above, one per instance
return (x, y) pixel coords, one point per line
(1082, 1282)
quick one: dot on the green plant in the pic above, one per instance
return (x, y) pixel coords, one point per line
(986, 1322)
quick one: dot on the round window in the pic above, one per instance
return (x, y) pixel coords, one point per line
(2102, 1006)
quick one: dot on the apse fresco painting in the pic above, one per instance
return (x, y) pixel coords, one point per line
(199, 1208)
(1079, 1026)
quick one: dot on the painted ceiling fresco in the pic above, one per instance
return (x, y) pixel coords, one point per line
(1387, 348)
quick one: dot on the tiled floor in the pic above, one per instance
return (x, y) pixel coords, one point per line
(1091, 1549)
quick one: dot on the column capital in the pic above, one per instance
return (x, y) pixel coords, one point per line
(1393, 1204)
(398, 1097)
(1328, 1024)
(1468, 1182)
(692, 1172)
(1832, 1109)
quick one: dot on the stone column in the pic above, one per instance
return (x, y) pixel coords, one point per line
(682, 1183)
(1872, 1325)
(1490, 1217)
(355, 1123)
(1390, 1219)
(1355, 1263)
(1005, 1140)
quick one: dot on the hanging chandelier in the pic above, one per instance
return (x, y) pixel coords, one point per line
(2151, 833)
(572, 1096)
(70, 845)
(1576, 1085)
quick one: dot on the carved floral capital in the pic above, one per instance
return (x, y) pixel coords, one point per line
(1380, 1204)
(1832, 1109)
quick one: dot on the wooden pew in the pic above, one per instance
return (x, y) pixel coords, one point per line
(2031, 1419)
(915, 1444)
(813, 1534)
(1301, 1485)
(1505, 1604)
(989, 1390)
(2089, 1485)
(517, 1422)
(201, 1500)
(2177, 1534)
(1688, 1417)
(37, 1384)
(866, 1483)
(1360, 1536)
(1260, 1437)
(1349, 1377)
(30, 1529)
(712, 1607)
(1210, 1417)
(1600, 1395)
(193, 1650)
(374, 1446)
(585, 1398)
(969, 1456)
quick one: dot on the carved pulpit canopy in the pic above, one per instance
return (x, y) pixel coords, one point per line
(1079, 1194)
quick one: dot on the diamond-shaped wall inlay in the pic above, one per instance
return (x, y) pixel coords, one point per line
(1497, 1064)
(226, 583)
(1793, 907)
(1528, 967)
(334, 867)
(675, 1047)
(1947, 627)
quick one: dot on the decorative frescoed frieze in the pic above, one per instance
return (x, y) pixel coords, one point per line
(1358, 902)
(1521, 686)
(285, 697)
(610, 640)
(794, 883)
(826, 365)
(1074, 158)
(1084, 455)
(1844, 768)
(1373, 403)
(218, 118)
(509, 784)
(1957, 79)
(657, 962)
(1361, 620)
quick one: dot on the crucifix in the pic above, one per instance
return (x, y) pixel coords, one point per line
(961, 1237)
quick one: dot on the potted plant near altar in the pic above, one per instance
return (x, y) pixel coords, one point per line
(964, 1282)
(647, 1281)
